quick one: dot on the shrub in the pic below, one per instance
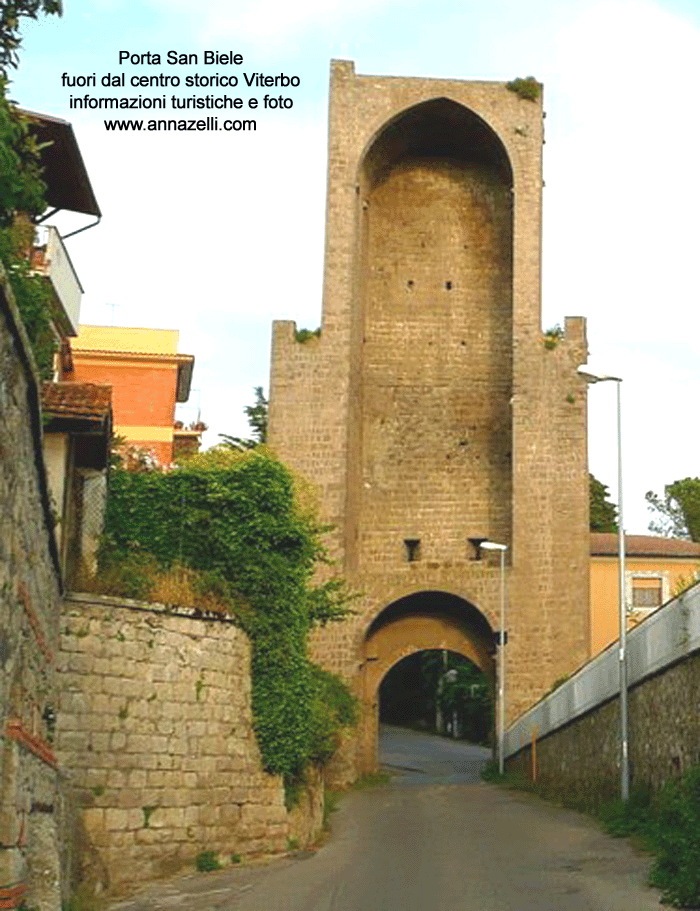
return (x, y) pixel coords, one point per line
(622, 818)
(332, 707)
(677, 837)
(207, 861)
(235, 532)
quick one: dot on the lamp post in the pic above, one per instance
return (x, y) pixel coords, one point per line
(593, 376)
(502, 548)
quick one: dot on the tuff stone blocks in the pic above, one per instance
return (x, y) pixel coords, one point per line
(155, 734)
(429, 410)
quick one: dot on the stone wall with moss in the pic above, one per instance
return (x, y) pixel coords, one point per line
(156, 736)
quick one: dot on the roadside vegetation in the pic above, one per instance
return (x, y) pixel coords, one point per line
(667, 826)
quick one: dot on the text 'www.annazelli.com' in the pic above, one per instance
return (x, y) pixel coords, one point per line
(205, 125)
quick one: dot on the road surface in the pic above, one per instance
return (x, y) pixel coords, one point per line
(435, 839)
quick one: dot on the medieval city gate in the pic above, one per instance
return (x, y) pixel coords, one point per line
(429, 412)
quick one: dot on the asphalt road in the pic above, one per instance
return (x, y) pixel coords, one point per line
(435, 839)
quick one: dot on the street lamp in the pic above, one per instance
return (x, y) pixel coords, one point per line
(502, 548)
(593, 376)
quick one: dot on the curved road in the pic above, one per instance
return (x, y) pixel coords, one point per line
(435, 839)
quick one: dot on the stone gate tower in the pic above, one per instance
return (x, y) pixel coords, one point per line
(429, 412)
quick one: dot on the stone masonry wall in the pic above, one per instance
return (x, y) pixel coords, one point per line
(155, 734)
(29, 610)
(577, 752)
(582, 759)
(429, 410)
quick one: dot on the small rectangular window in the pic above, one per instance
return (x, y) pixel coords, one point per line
(412, 546)
(646, 593)
(475, 552)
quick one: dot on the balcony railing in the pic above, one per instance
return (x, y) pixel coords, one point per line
(50, 258)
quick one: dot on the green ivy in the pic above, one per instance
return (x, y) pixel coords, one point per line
(236, 518)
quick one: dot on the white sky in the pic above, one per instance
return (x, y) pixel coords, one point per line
(216, 234)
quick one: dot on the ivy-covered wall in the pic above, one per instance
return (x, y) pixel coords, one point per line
(239, 521)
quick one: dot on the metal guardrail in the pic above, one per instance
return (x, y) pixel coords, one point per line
(668, 635)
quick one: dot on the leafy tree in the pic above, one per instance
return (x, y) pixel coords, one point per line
(603, 513)
(11, 11)
(458, 686)
(257, 415)
(22, 189)
(677, 511)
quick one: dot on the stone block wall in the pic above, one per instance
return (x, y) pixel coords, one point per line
(577, 728)
(29, 611)
(156, 737)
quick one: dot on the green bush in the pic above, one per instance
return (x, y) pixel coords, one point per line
(622, 818)
(238, 519)
(207, 861)
(677, 841)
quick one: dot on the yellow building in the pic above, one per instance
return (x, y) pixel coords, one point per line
(656, 569)
(147, 375)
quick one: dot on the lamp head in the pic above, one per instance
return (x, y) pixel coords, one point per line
(491, 545)
(596, 376)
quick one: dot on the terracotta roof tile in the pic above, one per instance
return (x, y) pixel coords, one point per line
(76, 399)
(604, 544)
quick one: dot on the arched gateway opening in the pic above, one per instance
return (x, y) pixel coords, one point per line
(426, 620)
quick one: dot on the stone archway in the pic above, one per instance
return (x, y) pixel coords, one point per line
(414, 623)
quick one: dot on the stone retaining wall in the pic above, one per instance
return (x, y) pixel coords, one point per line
(155, 732)
(577, 753)
(29, 610)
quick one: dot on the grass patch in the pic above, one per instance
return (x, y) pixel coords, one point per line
(331, 799)
(371, 780)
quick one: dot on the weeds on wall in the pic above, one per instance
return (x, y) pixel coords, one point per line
(552, 336)
(304, 335)
(528, 88)
(241, 535)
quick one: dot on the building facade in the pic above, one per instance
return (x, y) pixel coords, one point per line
(147, 375)
(656, 570)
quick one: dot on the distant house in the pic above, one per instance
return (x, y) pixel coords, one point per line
(655, 570)
(148, 377)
